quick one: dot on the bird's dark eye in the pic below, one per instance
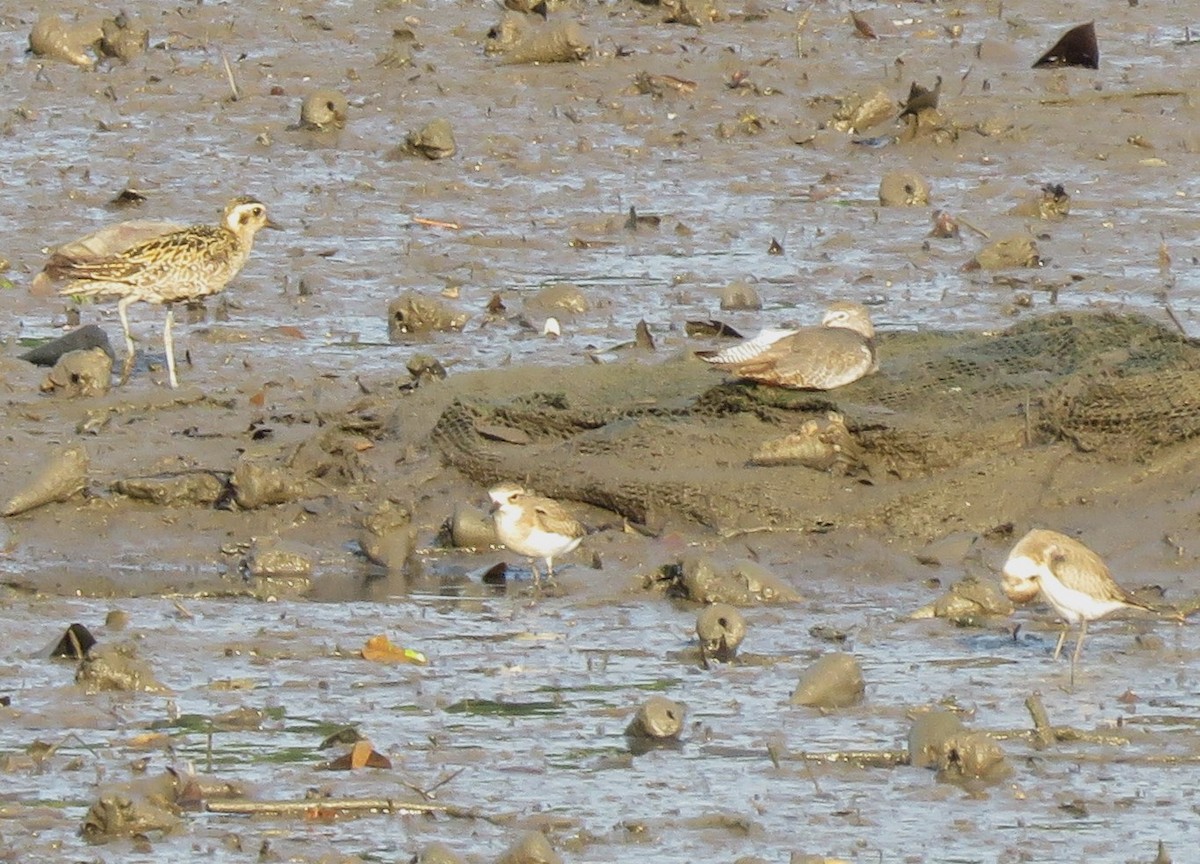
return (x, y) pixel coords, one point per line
(329, 105)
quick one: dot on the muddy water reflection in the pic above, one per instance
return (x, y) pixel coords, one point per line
(568, 678)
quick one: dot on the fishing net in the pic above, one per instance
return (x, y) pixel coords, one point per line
(946, 412)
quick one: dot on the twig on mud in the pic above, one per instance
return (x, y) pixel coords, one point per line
(760, 529)
(435, 223)
(985, 235)
(427, 794)
(229, 75)
(1043, 733)
(1108, 97)
(801, 23)
(245, 807)
(1174, 320)
(860, 758)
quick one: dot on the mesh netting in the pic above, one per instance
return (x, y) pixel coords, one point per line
(944, 407)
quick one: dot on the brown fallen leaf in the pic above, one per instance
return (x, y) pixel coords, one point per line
(863, 26)
(379, 649)
(361, 755)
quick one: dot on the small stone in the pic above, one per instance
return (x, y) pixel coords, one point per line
(740, 295)
(658, 719)
(903, 188)
(833, 681)
(720, 629)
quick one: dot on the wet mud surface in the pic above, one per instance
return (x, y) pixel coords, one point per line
(722, 139)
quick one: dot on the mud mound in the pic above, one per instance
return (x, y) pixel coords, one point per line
(946, 409)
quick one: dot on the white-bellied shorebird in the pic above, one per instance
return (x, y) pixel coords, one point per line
(1072, 578)
(532, 526)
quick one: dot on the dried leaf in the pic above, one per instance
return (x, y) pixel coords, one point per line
(863, 26)
(379, 649)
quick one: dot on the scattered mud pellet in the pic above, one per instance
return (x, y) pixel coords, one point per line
(200, 488)
(471, 528)
(263, 483)
(972, 756)
(504, 35)
(415, 314)
(80, 339)
(720, 629)
(562, 42)
(58, 40)
(693, 13)
(1051, 202)
(116, 667)
(122, 37)
(559, 298)
(1007, 253)
(388, 537)
(117, 815)
(820, 445)
(743, 583)
(968, 601)
(324, 110)
(434, 140)
(833, 681)
(62, 477)
(928, 734)
(80, 374)
(424, 368)
(658, 720)
(949, 550)
(740, 295)
(279, 559)
(530, 848)
(437, 853)
(856, 114)
(903, 188)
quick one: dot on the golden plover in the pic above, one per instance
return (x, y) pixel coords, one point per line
(532, 526)
(1072, 578)
(839, 352)
(179, 266)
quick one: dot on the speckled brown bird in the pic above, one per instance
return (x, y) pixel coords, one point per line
(533, 526)
(179, 266)
(837, 353)
(1072, 578)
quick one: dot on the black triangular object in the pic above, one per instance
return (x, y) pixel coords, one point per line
(1077, 47)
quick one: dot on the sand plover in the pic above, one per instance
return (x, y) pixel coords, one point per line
(1072, 578)
(179, 266)
(839, 352)
(532, 526)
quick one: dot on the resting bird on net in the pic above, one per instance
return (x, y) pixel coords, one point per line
(837, 353)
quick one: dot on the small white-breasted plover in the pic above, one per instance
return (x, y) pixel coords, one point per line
(1072, 578)
(532, 526)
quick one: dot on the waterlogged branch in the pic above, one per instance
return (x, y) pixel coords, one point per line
(245, 807)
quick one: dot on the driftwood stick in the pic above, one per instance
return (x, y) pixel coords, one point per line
(357, 805)
(860, 758)
(1043, 732)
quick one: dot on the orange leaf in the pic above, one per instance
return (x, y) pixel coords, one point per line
(379, 649)
(360, 754)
